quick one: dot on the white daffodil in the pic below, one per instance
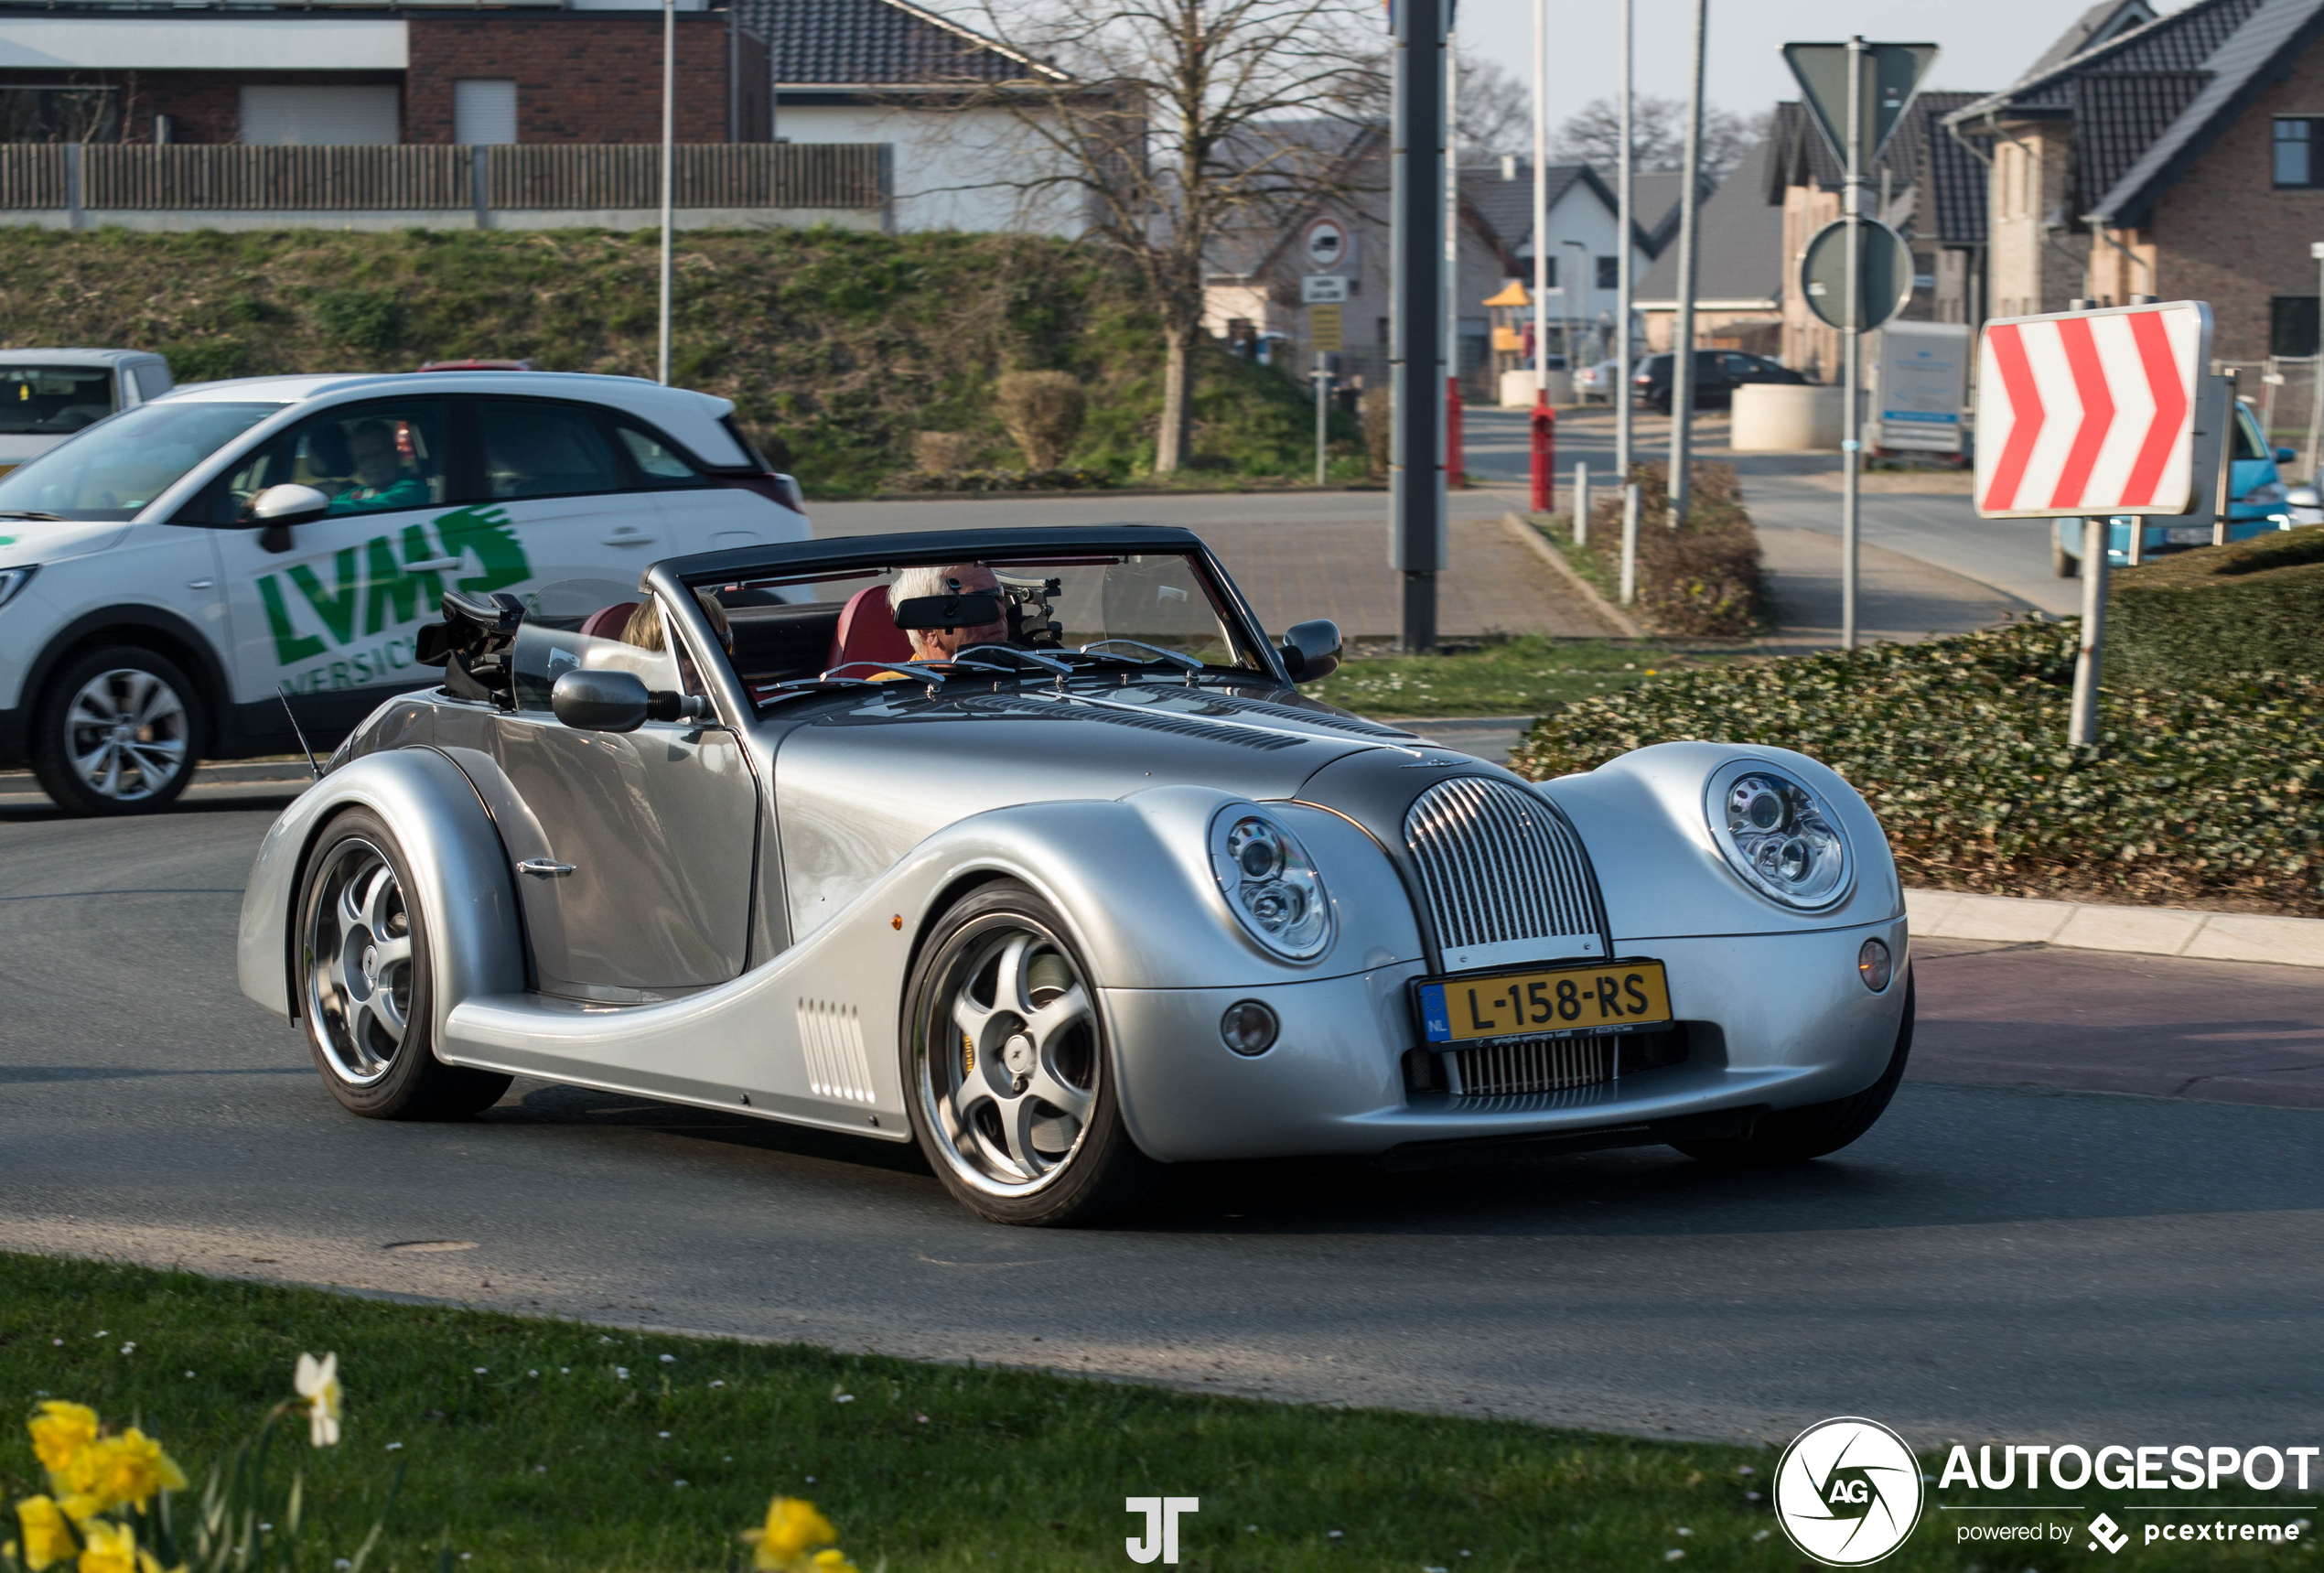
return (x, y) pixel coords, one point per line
(318, 1385)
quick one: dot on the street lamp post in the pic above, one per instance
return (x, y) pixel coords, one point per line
(668, 170)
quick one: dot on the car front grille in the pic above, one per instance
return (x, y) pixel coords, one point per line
(1499, 867)
(1533, 1065)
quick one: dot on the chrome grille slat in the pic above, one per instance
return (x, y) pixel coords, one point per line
(1532, 1065)
(1498, 864)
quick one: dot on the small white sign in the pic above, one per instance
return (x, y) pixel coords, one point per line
(1326, 243)
(1324, 290)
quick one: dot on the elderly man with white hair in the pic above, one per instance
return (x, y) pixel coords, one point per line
(944, 643)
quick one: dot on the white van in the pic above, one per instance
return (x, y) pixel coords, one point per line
(46, 395)
(150, 617)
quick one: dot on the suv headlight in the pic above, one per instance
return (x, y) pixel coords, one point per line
(1779, 836)
(1270, 881)
(2269, 491)
(11, 581)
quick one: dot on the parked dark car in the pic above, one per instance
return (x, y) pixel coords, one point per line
(1717, 374)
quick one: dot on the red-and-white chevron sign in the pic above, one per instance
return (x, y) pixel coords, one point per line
(2090, 412)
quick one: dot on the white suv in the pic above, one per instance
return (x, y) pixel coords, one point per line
(154, 609)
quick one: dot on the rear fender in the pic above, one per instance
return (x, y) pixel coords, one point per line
(459, 877)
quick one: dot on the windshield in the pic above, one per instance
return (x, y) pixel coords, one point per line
(114, 469)
(1053, 603)
(53, 401)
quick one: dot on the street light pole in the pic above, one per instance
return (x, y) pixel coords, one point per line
(1852, 341)
(1626, 221)
(669, 169)
(1416, 433)
(1683, 336)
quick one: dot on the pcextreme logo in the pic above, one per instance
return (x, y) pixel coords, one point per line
(374, 591)
(1847, 1491)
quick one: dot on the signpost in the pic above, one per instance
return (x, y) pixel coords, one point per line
(1857, 93)
(1323, 292)
(2099, 414)
(1416, 428)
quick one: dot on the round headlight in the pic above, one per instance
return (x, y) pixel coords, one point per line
(1271, 883)
(1779, 836)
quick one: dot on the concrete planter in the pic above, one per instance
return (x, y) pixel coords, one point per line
(1779, 418)
(1517, 389)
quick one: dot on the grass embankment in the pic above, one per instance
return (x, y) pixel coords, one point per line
(527, 1447)
(1702, 579)
(1526, 676)
(2210, 795)
(835, 346)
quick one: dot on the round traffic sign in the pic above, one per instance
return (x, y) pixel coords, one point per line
(1326, 243)
(1883, 276)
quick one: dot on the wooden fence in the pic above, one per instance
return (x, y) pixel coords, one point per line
(567, 176)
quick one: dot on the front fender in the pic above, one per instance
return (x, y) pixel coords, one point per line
(1642, 816)
(460, 875)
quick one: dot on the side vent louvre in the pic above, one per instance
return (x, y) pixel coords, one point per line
(830, 1037)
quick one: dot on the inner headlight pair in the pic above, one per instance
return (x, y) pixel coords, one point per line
(1271, 882)
(1779, 836)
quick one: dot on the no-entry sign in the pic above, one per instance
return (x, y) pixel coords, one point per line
(2090, 413)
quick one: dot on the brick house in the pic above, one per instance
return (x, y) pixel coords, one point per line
(2176, 156)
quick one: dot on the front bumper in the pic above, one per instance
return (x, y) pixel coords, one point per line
(1794, 1026)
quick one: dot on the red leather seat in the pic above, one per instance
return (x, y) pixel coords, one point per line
(867, 632)
(608, 622)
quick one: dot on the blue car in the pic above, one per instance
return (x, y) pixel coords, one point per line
(2259, 506)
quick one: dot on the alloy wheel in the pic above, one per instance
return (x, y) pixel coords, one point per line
(359, 962)
(127, 735)
(1008, 1055)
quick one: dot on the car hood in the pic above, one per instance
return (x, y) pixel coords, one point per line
(857, 787)
(24, 541)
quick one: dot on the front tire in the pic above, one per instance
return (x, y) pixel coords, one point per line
(1795, 1135)
(366, 991)
(117, 733)
(1006, 1070)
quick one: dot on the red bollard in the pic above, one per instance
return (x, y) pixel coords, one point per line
(1456, 463)
(1545, 454)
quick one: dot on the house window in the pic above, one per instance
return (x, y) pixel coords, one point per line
(2291, 325)
(277, 116)
(1549, 274)
(1610, 272)
(2295, 152)
(484, 111)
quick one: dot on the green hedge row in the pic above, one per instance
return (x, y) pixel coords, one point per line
(1704, 578)
(1959, 746)
(2255, 606)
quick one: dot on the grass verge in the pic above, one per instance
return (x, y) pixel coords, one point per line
(539, 1445)
(1526, 676)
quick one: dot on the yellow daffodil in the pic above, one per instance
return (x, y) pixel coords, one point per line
(317, 1383)
(47, 1538)
(60, 1431)
(112, 1548)
(116, 1471)
(831, 1559)
(792, 1526)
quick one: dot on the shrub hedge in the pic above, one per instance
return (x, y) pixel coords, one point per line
(2254, 606)
(1959, 746)
(1702, 578)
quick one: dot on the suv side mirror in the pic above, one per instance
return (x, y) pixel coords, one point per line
(277, 508)
(1311, 650)
(603, 700)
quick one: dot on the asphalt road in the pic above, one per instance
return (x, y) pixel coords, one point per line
(1992, 1261)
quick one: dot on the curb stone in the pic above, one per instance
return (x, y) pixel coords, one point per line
(1519, 526)
(2144, 930)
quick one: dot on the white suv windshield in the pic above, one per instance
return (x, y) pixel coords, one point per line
(53, 400)
(117, 467)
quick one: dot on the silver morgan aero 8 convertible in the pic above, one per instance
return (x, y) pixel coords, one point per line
(1023, 845)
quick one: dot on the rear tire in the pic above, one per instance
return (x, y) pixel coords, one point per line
(117, 733)
(2062, 563)
(1795, 1135)
(366, 986)
(1007, 1069)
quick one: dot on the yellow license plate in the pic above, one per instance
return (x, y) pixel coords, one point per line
(1606, 996)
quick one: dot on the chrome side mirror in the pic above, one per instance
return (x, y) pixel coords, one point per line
(601, 700)
(277, 508)
(1310, 650)
(2305, 497)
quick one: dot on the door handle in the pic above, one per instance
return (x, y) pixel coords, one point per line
(199, 584)
(546, 868)
(628, 538)
(433, 565)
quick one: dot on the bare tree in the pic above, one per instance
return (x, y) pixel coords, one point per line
(1658, 131)
(1495, 110)
(1180, 122)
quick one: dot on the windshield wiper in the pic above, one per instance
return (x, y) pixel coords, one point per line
(33, 514)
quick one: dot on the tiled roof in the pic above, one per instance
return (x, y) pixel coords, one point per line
(1506, 207)
(1740, 250)
(2182, 41)
(1949, 180)
(2108, 19)
(878, 42)
(1654, 207)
